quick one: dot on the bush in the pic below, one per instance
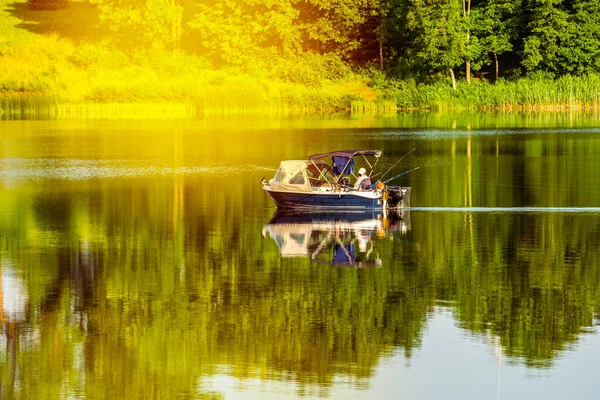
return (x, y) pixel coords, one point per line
(47, 4)
(310, 69)
(96, 56)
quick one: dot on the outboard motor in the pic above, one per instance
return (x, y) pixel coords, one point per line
(398, 197)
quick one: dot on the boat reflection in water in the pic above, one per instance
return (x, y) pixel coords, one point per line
(340, 239)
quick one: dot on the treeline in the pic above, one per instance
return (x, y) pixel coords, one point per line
(262, 56)
(420, 39)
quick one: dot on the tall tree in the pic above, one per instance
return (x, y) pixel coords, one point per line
(144, 22)
(227, 31)
(392, 29)
(495, 24)
(437, 33)
(47, 4)
(334, 25)
(373, 32)
(548, 36)
(562, 37)
(469, 46)
(583, 50)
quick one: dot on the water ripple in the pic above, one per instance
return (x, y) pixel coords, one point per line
(18, 169)
(453, 132)
(510, 209)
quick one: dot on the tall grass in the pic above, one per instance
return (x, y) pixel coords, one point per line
(379, 105)
(27, 105)
(522, 94)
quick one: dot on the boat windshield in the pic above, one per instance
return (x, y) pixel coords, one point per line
(278, 175)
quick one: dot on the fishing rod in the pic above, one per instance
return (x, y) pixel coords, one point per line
(396, 163)
(400, 174)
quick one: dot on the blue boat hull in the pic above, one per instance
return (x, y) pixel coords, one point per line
(348, 201)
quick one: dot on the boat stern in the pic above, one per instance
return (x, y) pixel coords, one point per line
(398, 197)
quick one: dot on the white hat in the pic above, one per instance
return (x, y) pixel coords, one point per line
(362, 171)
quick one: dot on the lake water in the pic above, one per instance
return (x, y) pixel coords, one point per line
(141, 259)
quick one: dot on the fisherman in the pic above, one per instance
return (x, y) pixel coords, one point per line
(363, 182)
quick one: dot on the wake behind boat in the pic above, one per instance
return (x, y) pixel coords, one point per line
(323, 182)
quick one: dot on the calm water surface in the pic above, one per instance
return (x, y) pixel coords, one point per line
(141, 259)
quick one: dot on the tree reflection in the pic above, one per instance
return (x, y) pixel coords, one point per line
(125, 294)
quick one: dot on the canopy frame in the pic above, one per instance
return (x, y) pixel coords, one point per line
(350, 154)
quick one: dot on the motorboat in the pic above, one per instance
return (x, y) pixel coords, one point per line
(324, 182)
(335, 238)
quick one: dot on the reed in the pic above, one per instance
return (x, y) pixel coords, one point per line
(27, 105)
(379, 105)
(530, 93)
(126, 111)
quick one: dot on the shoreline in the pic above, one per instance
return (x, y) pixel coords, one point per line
(39, 104)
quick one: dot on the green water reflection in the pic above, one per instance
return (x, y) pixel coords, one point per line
(144, 263)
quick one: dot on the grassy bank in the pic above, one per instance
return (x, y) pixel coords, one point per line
(567, 92)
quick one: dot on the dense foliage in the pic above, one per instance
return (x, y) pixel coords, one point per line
(414, 38)
(302, 54)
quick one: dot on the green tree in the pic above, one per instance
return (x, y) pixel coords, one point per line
(230, 32)
(437, 33)
(583, 48)
(548, 36)
(47, 4)
(472, 48)
(144, 22)
(335, 25)
(495, 24)
(562, 37)
(393, 31)
(389, 26)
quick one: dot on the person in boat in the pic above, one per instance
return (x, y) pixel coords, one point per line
(363, 182)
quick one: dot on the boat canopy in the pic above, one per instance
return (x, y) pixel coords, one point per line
(317, 172)
(347, 154)
(344, 161)
(291, 176)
